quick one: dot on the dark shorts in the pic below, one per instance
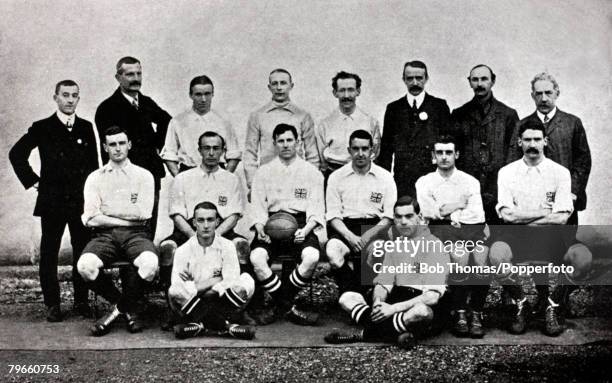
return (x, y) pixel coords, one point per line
(288, 247)
(180, 238)
(444, 231)
(120, 244)
(355, 225)
(537, 243)
(429, 328)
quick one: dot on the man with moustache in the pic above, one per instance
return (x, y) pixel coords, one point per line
(567, 141)
(410, 126)
(334, 130)
(484, 127)
(67, 148)
(259, 146)
(534, 195)
(180, 151)
(144, 121)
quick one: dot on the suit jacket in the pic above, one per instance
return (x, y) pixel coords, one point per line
(484, 142)
(146, 141)
(409, 135)
(568, 146)
(66, 159)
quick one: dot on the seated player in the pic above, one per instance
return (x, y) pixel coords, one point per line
(534, 197)
(450, 201)
(402, 305)
(359, 195)
(207, 286)
(289, 184)
(207, 182)
(118, 206)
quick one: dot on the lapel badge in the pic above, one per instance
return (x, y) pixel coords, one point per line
(423, 116)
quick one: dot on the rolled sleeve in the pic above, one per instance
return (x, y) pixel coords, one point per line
(316, 208)
(376, 136)
(390, 198)
(92, 201)
(504, 194)
(311, 153)
(177, 204)
(429, 208)
(233, 149)
(251, 146)
(171, 144)
(183, 290)
(563, 199)
(332, 199)
(259, 208)
(320, 136)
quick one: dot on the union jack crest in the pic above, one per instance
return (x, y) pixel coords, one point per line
(301, 193)
(134, 197)
(550, 197)
(222, 200)
(376, 197)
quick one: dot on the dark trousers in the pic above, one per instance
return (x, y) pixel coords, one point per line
(52, 227)
(153, 222)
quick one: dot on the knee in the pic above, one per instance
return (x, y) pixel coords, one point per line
(480, 255)
(580, 257)
(460, 257)
(336, 251)
(422, 312)
(310, 257)
(248, 284)
(259, 258)
(147, 264)
(500, 252)
(89, 266)
(166, 252)
(243, 250)
(350, 299)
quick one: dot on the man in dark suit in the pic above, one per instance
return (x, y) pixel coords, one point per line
(411, 125)
(144, 121)
(67, 148)
(567, 141)
(483, 128)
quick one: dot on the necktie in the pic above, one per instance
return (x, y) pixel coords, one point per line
(69, 124)
(135, 103)
(546, 119)
(414, 105)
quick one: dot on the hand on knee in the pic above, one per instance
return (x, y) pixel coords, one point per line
(89, 266)
(147, 264)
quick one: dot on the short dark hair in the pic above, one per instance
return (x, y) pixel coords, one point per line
(345, 75)
(114, 129)
(532, 124)
(407, 200)
(65, 83)
(282, 128)
(362, 134)
(281, 70)
(126, 60)
(483, 66)
(446, 139)
(209, 134)
(207, 205)
(200, 80)
(415, 64)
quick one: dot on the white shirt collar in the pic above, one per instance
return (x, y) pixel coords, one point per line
(539, 167)
(550, 114)
(65, 118)
(130, 98)
(110, 166)
(419, 99)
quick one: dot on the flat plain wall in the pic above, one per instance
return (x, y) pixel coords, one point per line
(237, 43)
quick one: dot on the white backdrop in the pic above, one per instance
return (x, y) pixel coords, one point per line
(237, 43)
